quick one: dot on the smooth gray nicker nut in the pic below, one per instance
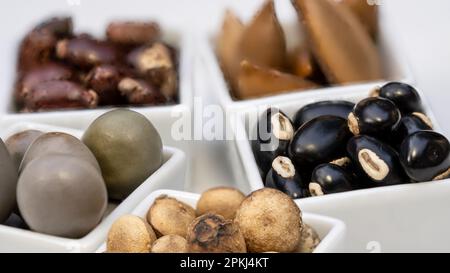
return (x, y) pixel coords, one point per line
(283, 167)
(282, 127)
(315, 189)
(373, 165)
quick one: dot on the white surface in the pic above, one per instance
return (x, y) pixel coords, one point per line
(331, 231)
(169, 175)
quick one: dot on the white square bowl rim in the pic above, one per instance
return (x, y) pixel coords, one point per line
(330, 240)
(209, 57)
(248, 160)
(184, 45)
(91, 240)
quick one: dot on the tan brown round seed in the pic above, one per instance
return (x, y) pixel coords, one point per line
(170, 216)
(130, 234)
(211, 233)
(170, 244)
(221, 200)
(269, 221)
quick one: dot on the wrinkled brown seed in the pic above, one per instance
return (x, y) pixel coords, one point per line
(58, 95)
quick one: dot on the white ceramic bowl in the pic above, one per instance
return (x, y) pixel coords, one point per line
(331, 231)
(245, 124)
(87, 18)
(395, 65)
(385, 215)
(170, 175)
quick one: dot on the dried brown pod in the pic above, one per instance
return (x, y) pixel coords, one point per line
(301, 62)
(263, 41)
(343, 47)
(211, 233)
(133, 32)
(104, 80)
(258, 81)
(155, 63)
(228, 47)
(130, 234)
(59, 95)
(140, 92)
(223, 201)
(269, 221)
(168, 216)
(85, 51)
(367, 13)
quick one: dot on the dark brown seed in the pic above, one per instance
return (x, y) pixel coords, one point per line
(155, 64)
(140, 92)
(61, 27)
(84, 51)
(59, 95)
(35, 49)
(47, 72)
(133, 33)
(104, 80)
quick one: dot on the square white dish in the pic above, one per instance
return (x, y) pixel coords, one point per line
(170, 175)
(331, 231)
(381, 219)
(244, 125)
(394, 61)
(87, 18)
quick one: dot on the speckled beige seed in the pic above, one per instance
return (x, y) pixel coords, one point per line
(170, 244)
(130, 234)
(309, 240)
(169, 216)
(221, 200)
(211, 233)
(269, 221)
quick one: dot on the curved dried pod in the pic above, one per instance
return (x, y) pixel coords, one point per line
(211, 233)
(228, 47)
(263, 41)
(342, 46)
(257, 81)
(366, 13)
